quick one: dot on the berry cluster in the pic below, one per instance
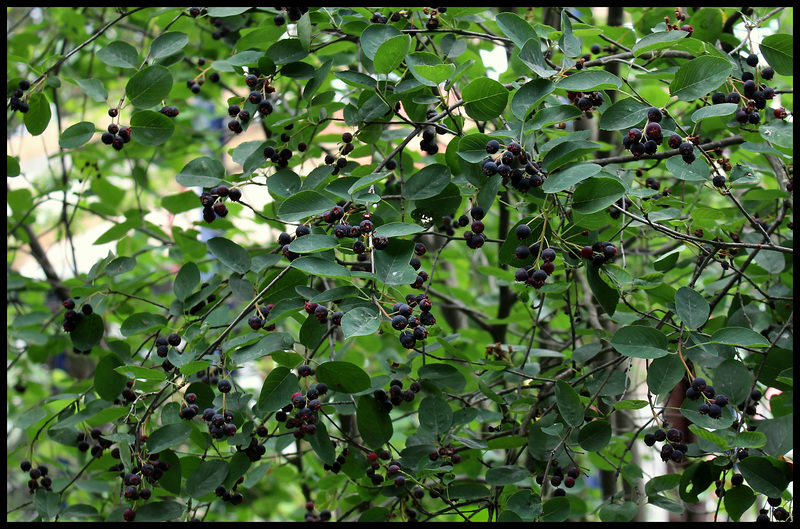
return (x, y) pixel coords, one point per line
(219, 424)
(428, 142)
(394, 16)
(679, 17)
(530, 275)
(396, 395)
(558, 478)
(448, 453)
(586, 101)
(715, 403)
(514, 164)
(38, 475)
(306, 405)
(753, 95)
(599, 253)
(294, 13)
(323, 516)
(162, 344)
(93, 443)
(72, 317)
(641, 142)
(257, 320)
(672, 450)
(392, 470)
(15, 101)
(413, 328)
(213, 201)
(135, 483)
(433, 21)
(235, 498)
(345, 148)
(116, 136)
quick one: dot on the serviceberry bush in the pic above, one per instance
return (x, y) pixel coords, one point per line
(431, 264)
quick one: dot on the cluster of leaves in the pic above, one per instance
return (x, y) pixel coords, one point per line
(510, 384)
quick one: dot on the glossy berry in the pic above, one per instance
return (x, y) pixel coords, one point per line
(718, 181)
(752, 60)
(304, 370)
(492, 146)
(523, 231)
(224, 386)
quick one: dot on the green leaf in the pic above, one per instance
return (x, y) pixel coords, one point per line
(277, 391)
(373, 421)
(595, 435)
(623, 114)
(738, 501)
(398, 229)
(285, 51)
(344, 377)
(186, 281)
(516, 28)
(391, 53)
(202, 172)
(119, 54)
(530, 95)
(531, 54)
(569, 404)
(698, 77)
(556, 509)
(691, 307)
(588, 80)
(141, 373)
(76, 135)
(230, 254)
(657, 41)
(47, 503)
(320, 267)
(373, 37)
(443, 375)
(38, 115)
(606, 296)
(568, 42)
(93, 88)
(206, 478)
(435, 416)
(763, 476)
(168, 436)
(272, 342)
(749, 440)
(149, 86)
(427, 182)
(141, 322)
(313, 243)
(503, 475)
(732, 378)
(484, 99)
(664, 373)
(552, 115)
(596, 194)
(361, 321)
(151, 127)
(107, 382)
(428, 69)
(739, 336)
(88, 333)
(638, 341)
(168, 43)
(778, 49)
(714, 111)
(322, 444)
(697, 171)
(392, 266)
(616, 513)
(575, 174)
(160, 511)
(303, 205)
